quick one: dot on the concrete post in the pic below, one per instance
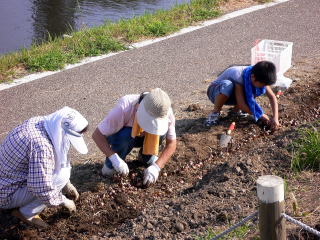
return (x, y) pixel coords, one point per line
(270, 191)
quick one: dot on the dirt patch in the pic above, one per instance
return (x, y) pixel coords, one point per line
(202, 186)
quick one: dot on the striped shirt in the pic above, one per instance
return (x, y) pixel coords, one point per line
(27, 160)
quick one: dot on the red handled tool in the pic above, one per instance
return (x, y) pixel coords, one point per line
(226, 137)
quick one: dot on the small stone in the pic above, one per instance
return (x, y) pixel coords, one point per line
(153, 222)
(149, 226)
(237, 208)
(179, 226)
(231, 192)
(195, 216)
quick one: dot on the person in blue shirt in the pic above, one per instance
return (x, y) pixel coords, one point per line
(239, 86)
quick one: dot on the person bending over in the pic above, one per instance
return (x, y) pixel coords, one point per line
(34, 167)
(140, 121)
(239, 86)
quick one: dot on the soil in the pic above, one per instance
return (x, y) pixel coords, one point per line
(203, 186)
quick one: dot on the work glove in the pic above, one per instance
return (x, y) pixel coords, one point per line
(71, 190)
(151, 174)
(152, 159)
(119, 165)
(106, 171)
(70, 205)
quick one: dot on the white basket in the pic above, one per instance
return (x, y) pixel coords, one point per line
(278, 52)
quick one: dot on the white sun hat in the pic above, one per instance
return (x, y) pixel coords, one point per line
(153, 110)
(73, 123)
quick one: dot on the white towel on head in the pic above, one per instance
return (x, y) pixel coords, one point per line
(59, 136)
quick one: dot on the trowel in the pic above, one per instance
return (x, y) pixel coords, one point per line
(226, 137)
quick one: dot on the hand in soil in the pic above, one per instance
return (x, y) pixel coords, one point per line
(274, 125)
(71, 191)
(151, 174)
(264, 119)
(268, 125)
(70, 205)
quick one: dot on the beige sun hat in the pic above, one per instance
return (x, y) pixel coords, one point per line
(152, 113)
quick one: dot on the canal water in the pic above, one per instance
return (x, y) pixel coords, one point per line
(23, 22)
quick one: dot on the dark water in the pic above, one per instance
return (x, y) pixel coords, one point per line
(25, 21)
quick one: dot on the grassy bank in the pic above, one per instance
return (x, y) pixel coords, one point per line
(306, 149)
(110, 37)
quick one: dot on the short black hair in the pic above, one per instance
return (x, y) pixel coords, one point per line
(265, 72)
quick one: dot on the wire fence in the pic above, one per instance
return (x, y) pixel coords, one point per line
(233, 227)
(304, 226)
(255, 215)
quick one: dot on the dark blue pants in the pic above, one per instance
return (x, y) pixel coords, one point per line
(122, 143)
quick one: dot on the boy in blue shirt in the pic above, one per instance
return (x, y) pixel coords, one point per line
(239, 86)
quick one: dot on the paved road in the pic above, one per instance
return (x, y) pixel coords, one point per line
(179, 65)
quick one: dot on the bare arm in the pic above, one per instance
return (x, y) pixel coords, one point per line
(102, 142)
(167, 152)
(274, 105)
(241, 102)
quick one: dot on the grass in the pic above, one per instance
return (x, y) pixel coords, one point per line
(306, 150)
(110, 37)
(239, 233)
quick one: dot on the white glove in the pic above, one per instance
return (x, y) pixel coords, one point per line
(119, 165)
(106, 171)
(70, 205)
(151, 174)
(152, 159)
(71, 190)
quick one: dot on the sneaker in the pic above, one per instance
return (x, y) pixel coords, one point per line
(35, 221)
(212, 119)
(106, 171)
(239, 114)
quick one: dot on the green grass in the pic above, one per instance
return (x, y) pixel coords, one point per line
(306, 150)
(239, 233)
(58, 52)
(110, 37)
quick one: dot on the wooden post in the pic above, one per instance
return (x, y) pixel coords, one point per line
(270, 191)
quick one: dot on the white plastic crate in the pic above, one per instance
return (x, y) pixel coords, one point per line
(278, 52)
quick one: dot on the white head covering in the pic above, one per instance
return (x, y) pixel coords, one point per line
(63, 127)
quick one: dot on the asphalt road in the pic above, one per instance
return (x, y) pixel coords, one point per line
(179, 65)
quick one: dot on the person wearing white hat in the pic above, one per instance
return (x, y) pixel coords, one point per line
(34, 167)
(137, 121)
